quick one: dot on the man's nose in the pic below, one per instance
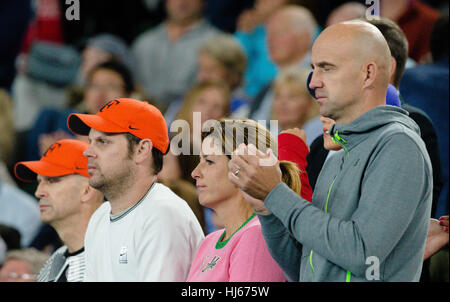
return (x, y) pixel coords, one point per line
(39, 191)
(88, 152)
(312, 83)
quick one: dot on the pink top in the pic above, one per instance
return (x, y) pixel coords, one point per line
(243, 257)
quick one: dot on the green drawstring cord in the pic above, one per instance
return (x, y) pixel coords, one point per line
(337, 139)
(348, 276)
(326, 210)
(336, 135)
(310, 263)
(328, 195)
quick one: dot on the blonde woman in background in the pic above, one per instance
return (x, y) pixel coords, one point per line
(293, 106)
(222, 59)
(211, 100)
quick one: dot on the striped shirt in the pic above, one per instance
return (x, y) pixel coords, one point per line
(63, 267)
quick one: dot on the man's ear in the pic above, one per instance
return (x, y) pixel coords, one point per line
(88, 192)
(143, 150)
(371, 72)
(91, 195)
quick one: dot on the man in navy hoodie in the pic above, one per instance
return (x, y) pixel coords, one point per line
(369, 216)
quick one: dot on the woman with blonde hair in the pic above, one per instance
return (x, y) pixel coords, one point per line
(211, 101)
(222, 59)
(237, 252)
(293, 106)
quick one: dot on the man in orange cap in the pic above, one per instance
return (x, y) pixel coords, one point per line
(145, 232)
(66, 201)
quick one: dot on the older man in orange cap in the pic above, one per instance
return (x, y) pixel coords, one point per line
(66, 202)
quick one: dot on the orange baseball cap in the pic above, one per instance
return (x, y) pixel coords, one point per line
(62, 158)
(125, 115)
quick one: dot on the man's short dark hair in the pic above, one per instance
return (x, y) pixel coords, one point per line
(397, 42)
(157, 155)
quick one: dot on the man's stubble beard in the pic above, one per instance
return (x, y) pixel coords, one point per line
(116, 185)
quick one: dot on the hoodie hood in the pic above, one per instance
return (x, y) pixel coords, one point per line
(351, 134)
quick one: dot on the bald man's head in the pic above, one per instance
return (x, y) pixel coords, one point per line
(352, 69)
(296, 18)
(366, 43)
(290, 32)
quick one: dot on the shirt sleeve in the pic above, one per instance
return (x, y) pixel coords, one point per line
(294, 149)
(283, 247)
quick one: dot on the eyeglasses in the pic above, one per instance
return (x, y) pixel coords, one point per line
(12, 276)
